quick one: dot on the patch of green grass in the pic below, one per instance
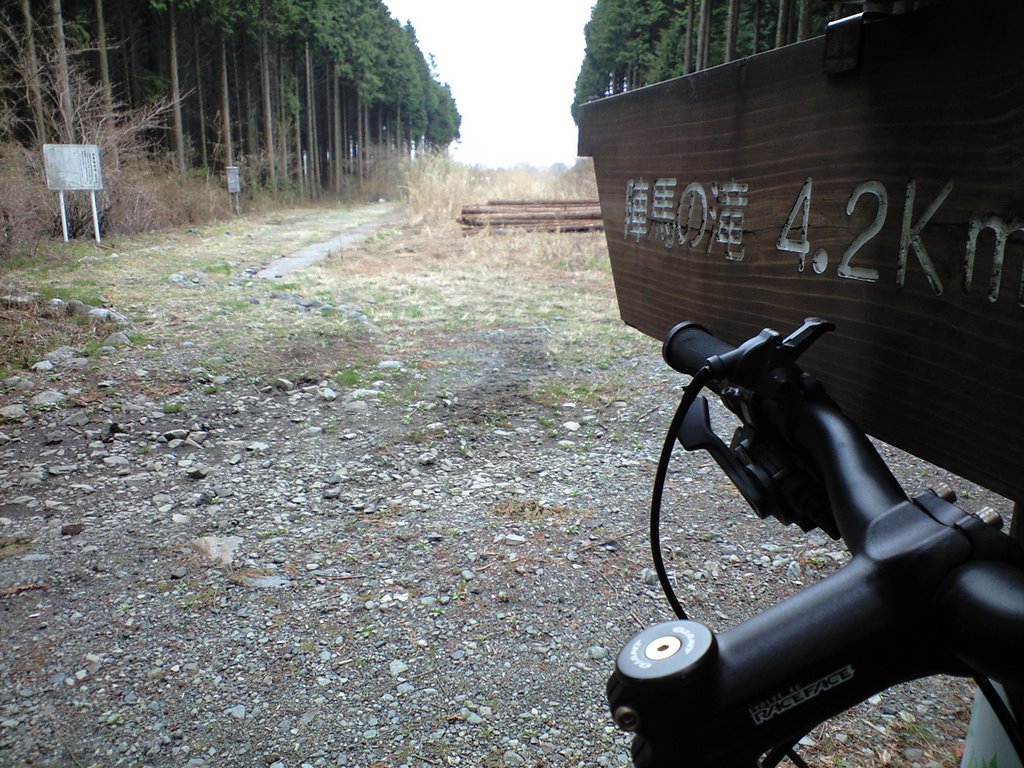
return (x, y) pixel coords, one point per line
(381, 236)
(44, 258)
(421, 436)
(279, 531)
(349, 376)
(203, 598)
(218, 268)
(234, 305)
(87, 293)
(91, 347)
(554, 393)
(172, 408)
(15, 546)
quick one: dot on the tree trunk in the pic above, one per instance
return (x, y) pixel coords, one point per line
(756, 23)
(317, 151)
(688, 54)
(346, 141)
(199, 92)
(268, 113)
(731, 24)
(803, 30)
(133, 60)
(329, 128)
(782, 29)
(101, 44)
(399, 145)
(179, 131)
(67, 114)
(368, 148)
(282, 118)
(35, 96)
(704, 35)
(314, 184)
(298, 141)
(359, 138)
(337, 152)
(250, 111)
(225, 103)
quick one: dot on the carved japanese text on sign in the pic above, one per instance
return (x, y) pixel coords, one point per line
(712, 218)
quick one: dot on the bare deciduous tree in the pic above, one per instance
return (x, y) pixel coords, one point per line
(35, 95)
(67, 114)
(101, 45)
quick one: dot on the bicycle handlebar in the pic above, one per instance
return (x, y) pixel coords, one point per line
(689, 346)
(930, 588)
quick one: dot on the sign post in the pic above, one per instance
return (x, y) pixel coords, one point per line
(74, 167)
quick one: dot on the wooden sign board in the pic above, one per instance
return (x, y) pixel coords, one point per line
(877, 182)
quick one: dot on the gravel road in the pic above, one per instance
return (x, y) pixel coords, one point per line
(432, 566)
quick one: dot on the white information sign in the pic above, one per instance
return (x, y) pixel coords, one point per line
(73, 166)
(234, 181)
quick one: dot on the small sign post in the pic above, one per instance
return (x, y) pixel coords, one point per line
(235, 186)
(74, 167)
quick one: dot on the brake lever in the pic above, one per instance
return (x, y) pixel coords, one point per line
(800, 340)
(695, 433)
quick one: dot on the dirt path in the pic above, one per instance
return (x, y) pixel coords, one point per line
(389, 511)
(312, 254)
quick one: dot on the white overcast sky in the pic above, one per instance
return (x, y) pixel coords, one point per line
(512, 68)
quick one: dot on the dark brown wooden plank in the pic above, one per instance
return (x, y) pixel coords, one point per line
(544, 201)
(535, 215)
(933, 117)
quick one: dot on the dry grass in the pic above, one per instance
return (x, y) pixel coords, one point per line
(435, 188)
(25, 337)
(447, 280)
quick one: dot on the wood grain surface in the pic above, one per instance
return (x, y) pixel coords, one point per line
(909, 169)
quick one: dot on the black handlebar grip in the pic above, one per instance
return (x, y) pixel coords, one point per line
(688, 346)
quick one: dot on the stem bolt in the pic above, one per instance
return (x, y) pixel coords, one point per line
(626, 718)
(991, 517)
(663, 647)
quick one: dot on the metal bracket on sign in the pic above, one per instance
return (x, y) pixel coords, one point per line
(842, 44)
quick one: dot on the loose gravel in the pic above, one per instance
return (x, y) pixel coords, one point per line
(433, 567)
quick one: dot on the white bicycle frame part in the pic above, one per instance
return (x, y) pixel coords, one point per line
(987, 744)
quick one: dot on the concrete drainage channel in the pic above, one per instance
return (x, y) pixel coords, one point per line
(311, 254)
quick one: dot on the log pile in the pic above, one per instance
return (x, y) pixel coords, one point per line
(534, 215)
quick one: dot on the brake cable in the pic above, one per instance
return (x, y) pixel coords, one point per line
(775, 756)
(697, 383)
(1003, 714)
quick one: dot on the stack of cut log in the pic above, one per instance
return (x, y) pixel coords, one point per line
(534, 215)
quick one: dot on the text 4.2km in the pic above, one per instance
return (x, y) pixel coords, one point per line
(713, 217)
